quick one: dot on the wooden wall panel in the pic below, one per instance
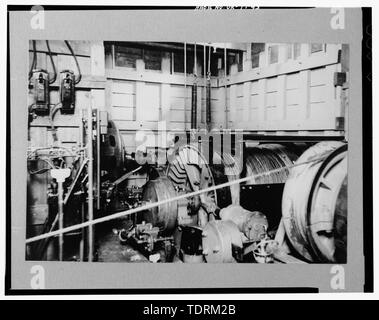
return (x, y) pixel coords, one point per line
(92, 86)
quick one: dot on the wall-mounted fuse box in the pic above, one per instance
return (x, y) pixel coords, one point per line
(67, 91)
(40, 80)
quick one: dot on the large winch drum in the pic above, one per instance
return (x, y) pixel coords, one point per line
(268, 157)
(163, 216)
(314, 205)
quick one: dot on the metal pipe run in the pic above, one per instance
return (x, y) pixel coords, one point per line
(90, 180)
(60, 218)
(194, 107)
(98, 186)
(163, 202)
(208, 102)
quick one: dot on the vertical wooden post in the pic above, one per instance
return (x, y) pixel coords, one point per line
(165, 103)
(246, 103)
(232, 106)
(281, 102)
(304, 82)
(261, 103)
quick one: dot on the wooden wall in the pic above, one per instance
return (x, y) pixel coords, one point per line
(143, 100)
(291, 95)
(91, 89)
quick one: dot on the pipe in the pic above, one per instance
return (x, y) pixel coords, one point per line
(159, 203)
(98, 159)
(90, 181)
(205, 74)
(195, 61)
(126, 175)
(208, 102)
(82, 211)
(194, 107)
(81, 244)
(226, 91)
(61, 218)
(194, 95)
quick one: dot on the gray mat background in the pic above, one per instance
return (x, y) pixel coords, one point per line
(289, 25)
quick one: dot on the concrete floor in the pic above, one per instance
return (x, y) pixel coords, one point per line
(109, 248)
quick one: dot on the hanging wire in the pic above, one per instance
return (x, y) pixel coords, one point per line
(77, 80)
(43, 170)
(52, 63)
(60, 148)
(34, 62)
(53, 111)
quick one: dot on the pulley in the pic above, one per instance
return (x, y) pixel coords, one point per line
(314, 205)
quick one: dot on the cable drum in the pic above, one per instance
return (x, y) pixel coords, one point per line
(165, 216)
(314, 203)
(267, 157)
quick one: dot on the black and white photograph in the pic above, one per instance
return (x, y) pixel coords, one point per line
(188, 148)
(147, 149)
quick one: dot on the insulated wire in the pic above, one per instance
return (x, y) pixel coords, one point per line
(76, 61)
(51, 118)
(34, 62)
(48, 148)
(52, 63)
(43, 170)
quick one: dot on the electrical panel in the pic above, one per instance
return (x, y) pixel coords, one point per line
(67, 91)
(40, 80)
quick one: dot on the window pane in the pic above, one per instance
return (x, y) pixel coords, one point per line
(256, 49)
(274, 54)
(255, 60)
(126, 57)
(316, 47)
(153, 60)
(179, 62)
